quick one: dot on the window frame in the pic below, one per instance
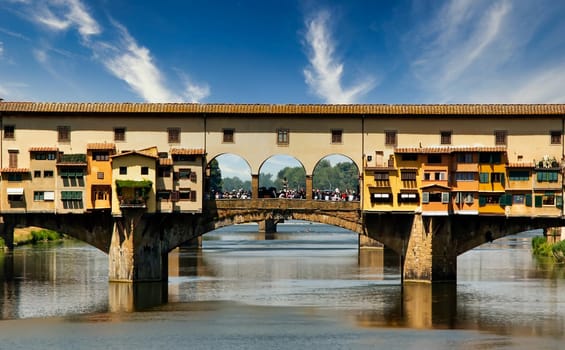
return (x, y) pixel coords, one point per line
(120, 133)
(445, 137)
(337, 136)
(9, 134)
(501, 137)
(391, 138)
(173, 135)
(63, 133)
(283, 136)
(555, 137)
(228, 135)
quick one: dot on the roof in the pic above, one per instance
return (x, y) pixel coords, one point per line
(449, 149)
(336, 109)
(165, 161)
(14, 170)
(520, 165)
(43, 149)
(101, 146)
(187, 151)
(131, 153)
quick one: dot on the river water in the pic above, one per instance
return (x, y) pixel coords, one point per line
(305, 287)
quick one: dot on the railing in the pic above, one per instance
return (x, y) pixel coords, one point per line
(281, 203)
(132, 203)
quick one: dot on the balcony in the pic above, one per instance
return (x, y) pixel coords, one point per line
(133, 194)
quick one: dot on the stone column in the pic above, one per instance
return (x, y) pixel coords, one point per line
(135, 249)
(254, 186)
(430, 255)
(366, 242)
(268, 226)
(308, 187)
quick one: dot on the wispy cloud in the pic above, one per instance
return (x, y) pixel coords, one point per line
(481, 51)
(122, 56)
(1, 49)
(325, 72)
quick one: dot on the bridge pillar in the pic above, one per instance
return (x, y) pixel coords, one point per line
(254, 186)
(430, 255)
(366, 242)
(268, 226)
(135, 248)
(7, 226)
(309, 187)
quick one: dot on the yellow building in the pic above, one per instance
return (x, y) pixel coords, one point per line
(99, 176)
(133, 186)
(43, 169)
(71, 185)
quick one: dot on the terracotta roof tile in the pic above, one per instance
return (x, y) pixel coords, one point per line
(165, 161)
(187, 151)
(43, 149)
(449, 149)
(14, 170)
(358, 109)
(101, 146)
(520, 165)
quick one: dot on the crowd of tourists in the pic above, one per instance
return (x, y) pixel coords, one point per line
(271, 192)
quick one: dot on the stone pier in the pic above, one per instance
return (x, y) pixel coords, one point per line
(268, 225)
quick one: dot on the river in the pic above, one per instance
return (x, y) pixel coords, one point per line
(306, 287)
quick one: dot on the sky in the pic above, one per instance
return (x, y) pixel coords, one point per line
(277, 52)
(292, 51)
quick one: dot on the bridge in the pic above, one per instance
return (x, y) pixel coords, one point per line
(133, 179)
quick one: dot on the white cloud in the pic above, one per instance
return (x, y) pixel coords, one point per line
(324, 74)
(195, 93)
(477, 51)
(1, 49)
(60, 15)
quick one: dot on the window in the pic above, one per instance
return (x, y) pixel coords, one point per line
(101, 156)
(72, 199)
(163, 195)
(500, 137)
(518, 199)
(123, 170)
(336, 136)
(38, 195)
(434, 158)
(548, 198)
(490, 158)
(437, 176)
(173, 135)
(381, 198)
(408, 198)
(144, 170)
(464, 197)
(184, 173)
(555, 137)
(548, 176)
(228, 135)
(390, 138)
(464, 176)
(497, 178)
(409, 157)
(282, 136)
(64, 133)
(381, 176)
(184, 195)
(100, 175)
(445, 137)
(518, 175)
(464, 157)
(408, 175)
(44, 156)
(119, 134)
(9, 132)
(37, 173)
(13, 158)
(47, 173)
(484, 178)
(15, 177)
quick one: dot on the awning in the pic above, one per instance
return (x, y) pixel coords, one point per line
(15, 191)
(49, 196)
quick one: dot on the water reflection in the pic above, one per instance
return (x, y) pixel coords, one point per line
(130, 297)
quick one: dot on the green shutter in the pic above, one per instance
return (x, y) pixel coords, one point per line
(482, 201)
(425, 197)
(65, 195)
(484, 178)
(540, 176)
(506, 199)
(502, 181)
(559, 202)
(538, 201)
(529, 200)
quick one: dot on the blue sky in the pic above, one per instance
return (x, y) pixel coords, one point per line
(260, 51)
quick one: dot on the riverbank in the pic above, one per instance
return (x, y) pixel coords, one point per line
(541, 247)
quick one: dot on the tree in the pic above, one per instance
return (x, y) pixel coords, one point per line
(266, 180)
(215, 179)
(295, 178)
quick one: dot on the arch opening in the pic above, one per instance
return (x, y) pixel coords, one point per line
(228, 177)
(336, 177)
(282, 176)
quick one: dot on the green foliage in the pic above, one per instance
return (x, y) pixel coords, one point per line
(541, 247)
(216, 183)
(143, 185)
(235, 183)
(2, 243)
(73, 158)
(558, 250)
(343, 175)
(266, 180)
(295, 177)
(44, 236)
